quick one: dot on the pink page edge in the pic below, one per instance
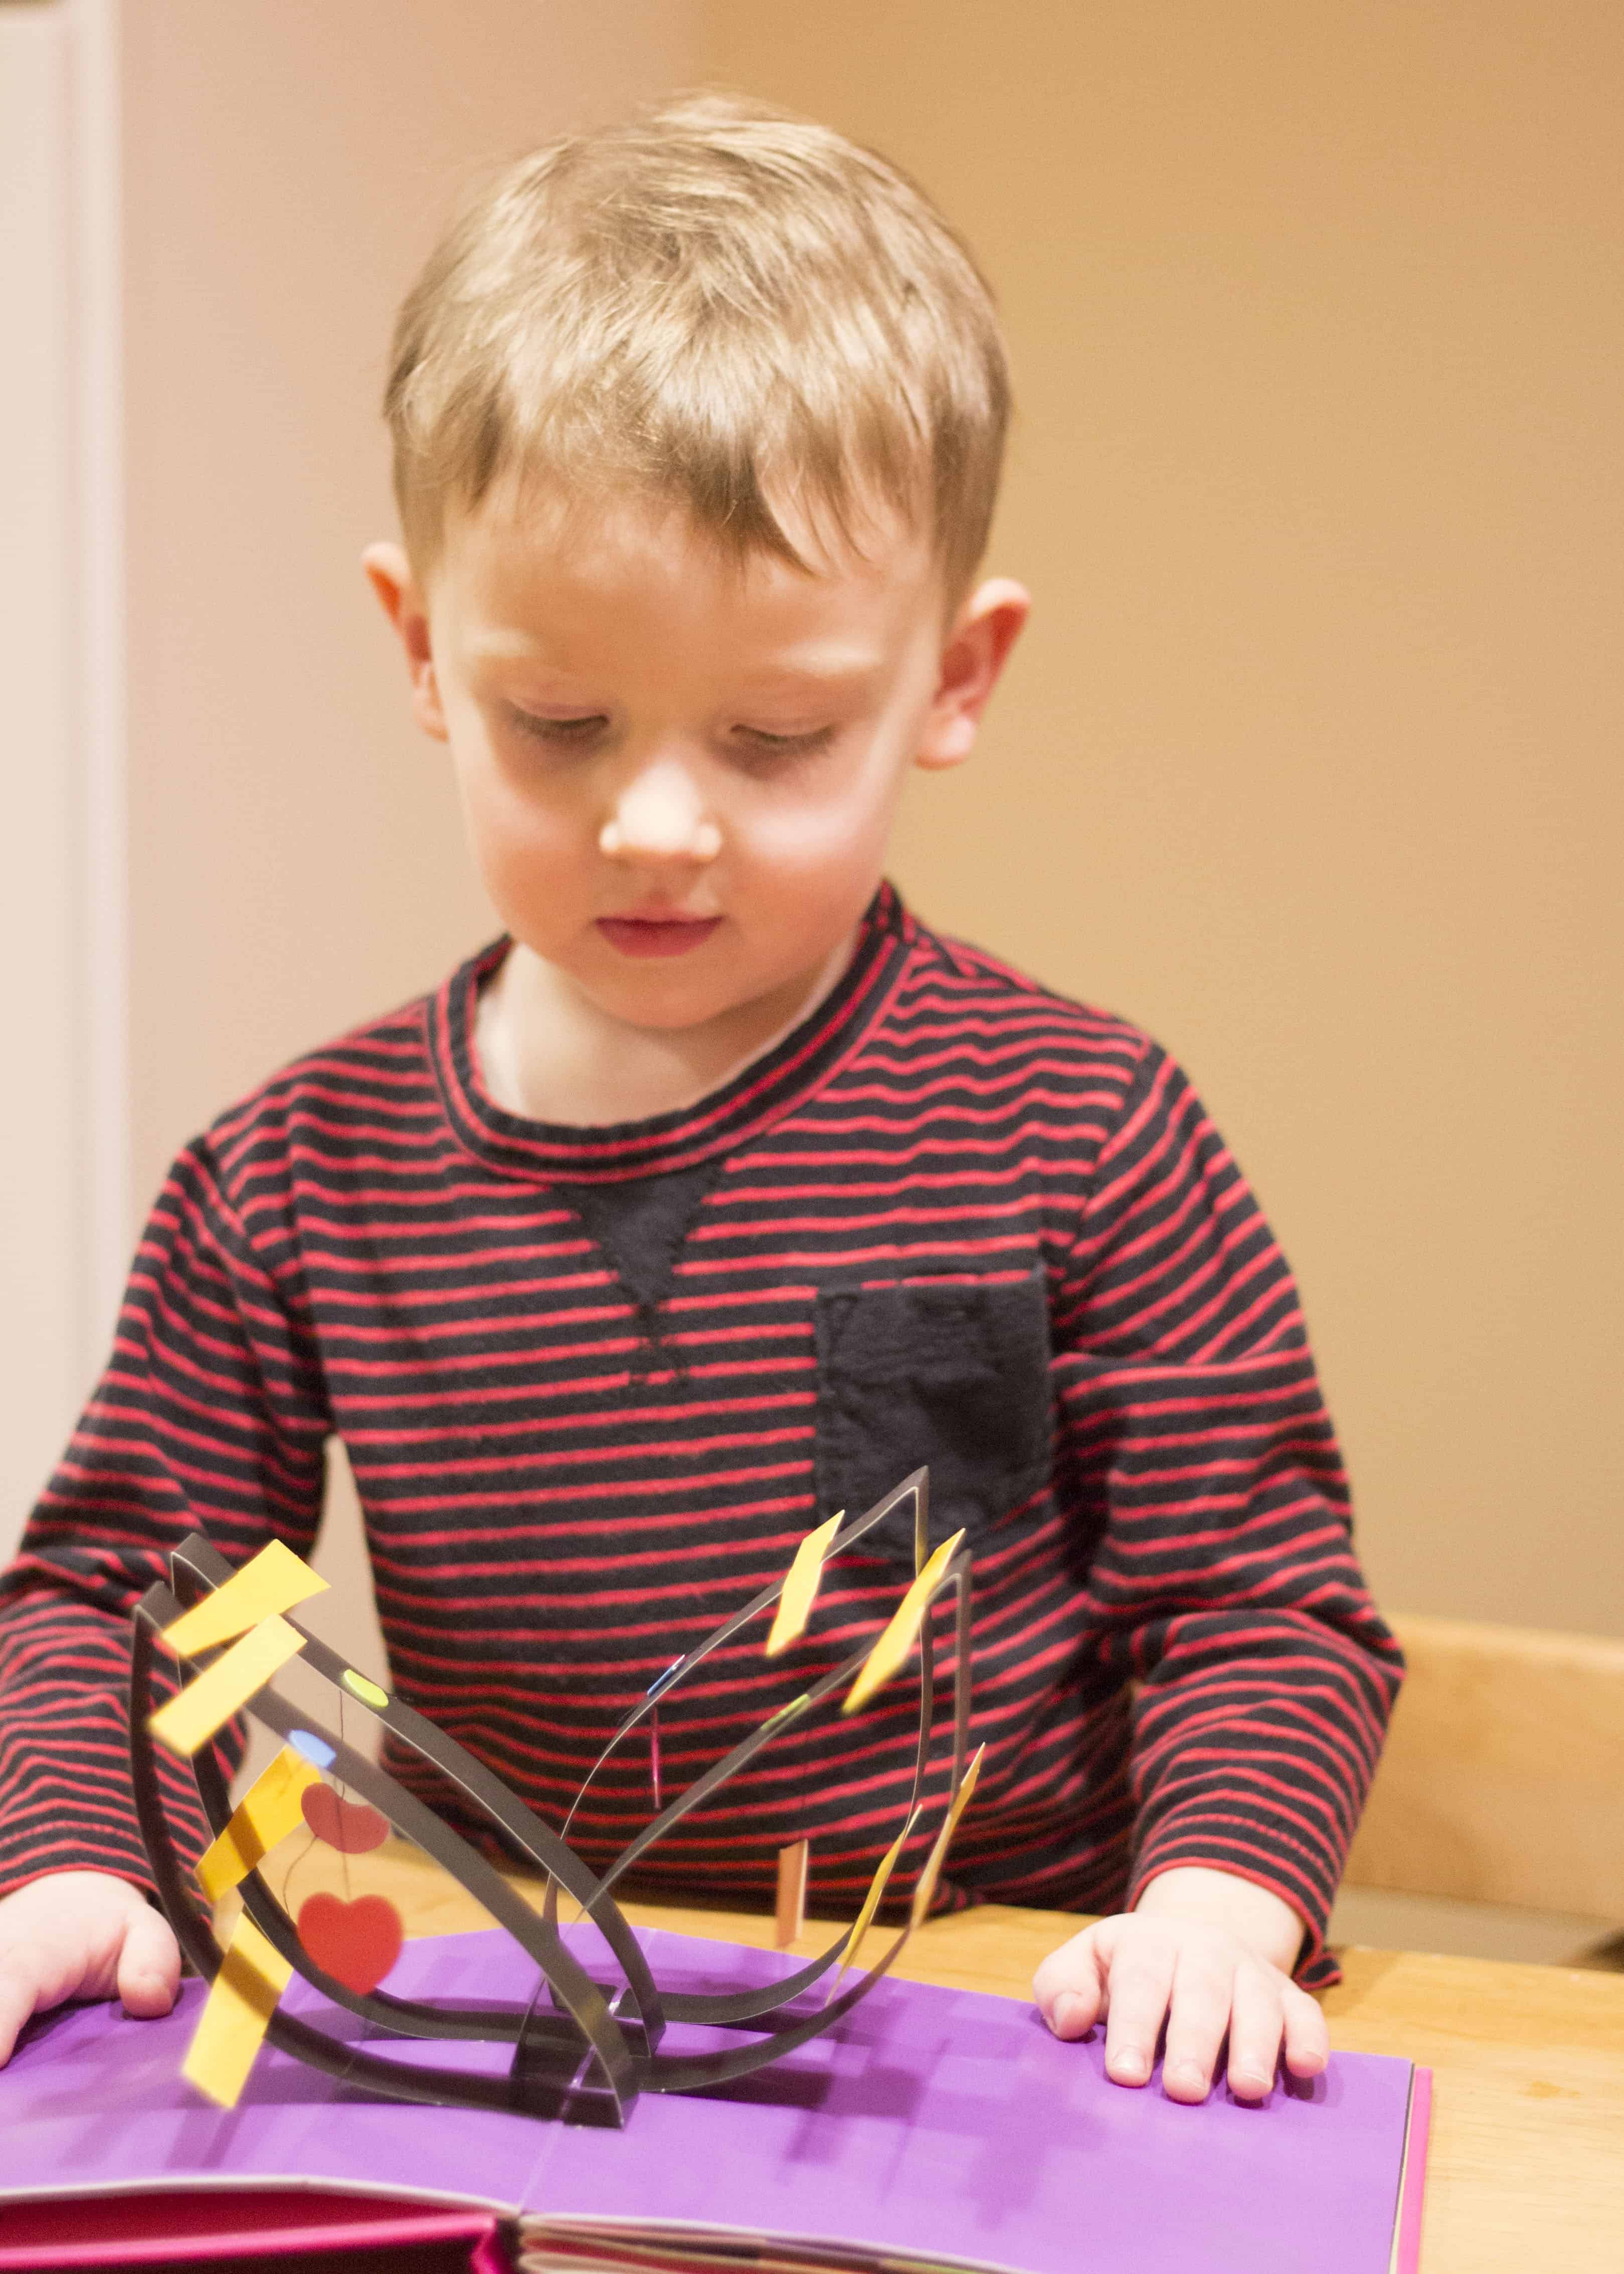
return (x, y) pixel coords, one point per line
(396, 2232)
(1407, 2248)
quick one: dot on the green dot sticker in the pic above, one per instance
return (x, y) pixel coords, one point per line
(368, 1692)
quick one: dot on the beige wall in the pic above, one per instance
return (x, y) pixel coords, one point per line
(42, 1167)
(295, 857)
(1311, 762)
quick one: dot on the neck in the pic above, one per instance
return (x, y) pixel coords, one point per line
(548, 1053)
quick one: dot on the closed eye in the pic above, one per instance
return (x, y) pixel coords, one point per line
(566, 734)
(759, 740)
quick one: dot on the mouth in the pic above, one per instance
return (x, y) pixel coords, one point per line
(643, 936)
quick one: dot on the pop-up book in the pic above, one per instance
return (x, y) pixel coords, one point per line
(617, 2098)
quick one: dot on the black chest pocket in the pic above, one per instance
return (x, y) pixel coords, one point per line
(936, 1371)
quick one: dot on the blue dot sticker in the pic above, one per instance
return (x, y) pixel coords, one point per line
(311, 1748)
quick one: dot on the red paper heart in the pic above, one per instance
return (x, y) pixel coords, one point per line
(349, 1826)
(356, 1943)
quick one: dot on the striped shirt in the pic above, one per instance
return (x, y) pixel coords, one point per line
(596, 1383)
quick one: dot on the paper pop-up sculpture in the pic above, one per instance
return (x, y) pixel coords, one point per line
(582, 2050)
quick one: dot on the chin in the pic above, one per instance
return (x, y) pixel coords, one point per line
(675, 997)
(666, 1010)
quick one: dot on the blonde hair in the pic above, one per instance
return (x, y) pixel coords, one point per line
(715, 304)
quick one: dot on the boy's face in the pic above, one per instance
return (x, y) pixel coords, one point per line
(680, 772)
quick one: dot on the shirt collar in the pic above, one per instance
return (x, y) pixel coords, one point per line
(761, 1093)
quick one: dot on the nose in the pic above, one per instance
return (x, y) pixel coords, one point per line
(659, 816)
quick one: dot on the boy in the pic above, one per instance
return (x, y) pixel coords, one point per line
(719, 1192)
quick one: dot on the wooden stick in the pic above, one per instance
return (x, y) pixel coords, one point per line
(790, 1916)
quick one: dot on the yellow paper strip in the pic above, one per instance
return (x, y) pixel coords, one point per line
(274, 1580)
(871, 1903)
(232, 2027)
(225, 1687)
(926, 1885)
(891, 1649)
(264, 1816)
(800, 1586)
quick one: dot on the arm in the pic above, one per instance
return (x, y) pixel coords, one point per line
(209, 1415)
(1226, 1587)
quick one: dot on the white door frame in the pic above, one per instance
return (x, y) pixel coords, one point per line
(64, 1120)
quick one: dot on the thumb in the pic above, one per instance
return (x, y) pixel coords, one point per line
(148, 1965)
(1069, 1987)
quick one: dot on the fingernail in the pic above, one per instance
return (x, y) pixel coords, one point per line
(1068, 2008)
(1187, 2076)
(1130, 2065)
(1251, 2084)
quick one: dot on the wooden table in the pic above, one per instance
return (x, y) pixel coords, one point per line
(1527, 2167)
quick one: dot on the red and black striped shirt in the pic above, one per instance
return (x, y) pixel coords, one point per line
(596, 1383)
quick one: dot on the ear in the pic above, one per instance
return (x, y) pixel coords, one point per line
(973, 655)
(390, 573)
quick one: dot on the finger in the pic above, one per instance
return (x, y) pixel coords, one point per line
(1197, 2016)
(19, 1998)
(149, 1964)
(1139, 1982)
(1308, 2039)
(1068, 1986)
(1256, 2021)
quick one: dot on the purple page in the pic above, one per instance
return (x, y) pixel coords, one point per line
(937, 2121)
(95, 2101)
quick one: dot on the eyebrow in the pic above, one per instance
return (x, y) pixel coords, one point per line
(830, 666)
(505, 647)
(829, 662)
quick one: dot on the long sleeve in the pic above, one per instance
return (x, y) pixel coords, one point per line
(209, 1415)
(1225, 1584)
(369, 1246)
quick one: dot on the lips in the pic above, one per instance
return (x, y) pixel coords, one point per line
(647, 936)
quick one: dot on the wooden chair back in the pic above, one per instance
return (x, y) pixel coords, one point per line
(1503, 1777)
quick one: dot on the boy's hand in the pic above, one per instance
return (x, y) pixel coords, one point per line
(1208, 1953)
(82, 1934)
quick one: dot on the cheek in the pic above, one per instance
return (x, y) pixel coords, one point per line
(816, 839)
(812, 842)
(522, 842)
(837, 821)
